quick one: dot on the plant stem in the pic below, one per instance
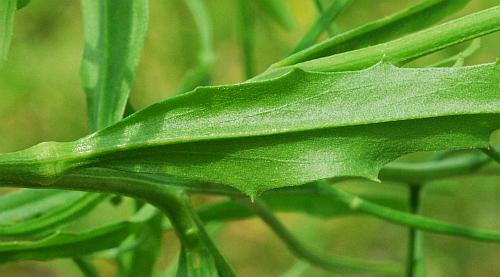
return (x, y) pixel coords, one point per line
(327, 262)
(402, 218)
(415, 263)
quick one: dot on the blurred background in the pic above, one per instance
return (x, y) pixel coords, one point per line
(41, 99)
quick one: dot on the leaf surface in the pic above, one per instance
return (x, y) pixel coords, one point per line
(301, 127)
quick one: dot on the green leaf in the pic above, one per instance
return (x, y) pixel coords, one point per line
(7, 12)
(321, 24)
(60, 244)
(114, 36)
(401, 50)
(298, 128)
(246, 37)
(277, 10)
(37, 212)
(419, 16)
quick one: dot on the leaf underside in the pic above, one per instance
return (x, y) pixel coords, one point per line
(301, 127)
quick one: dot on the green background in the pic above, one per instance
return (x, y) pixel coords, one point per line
(41, 99)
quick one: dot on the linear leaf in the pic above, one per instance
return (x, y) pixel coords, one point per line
(46, 213)
(301, 127)
(114, 36)
(22, 3)
(66, 244)
(60, 244)
(403, 49)
(7, 12)
(419, 16)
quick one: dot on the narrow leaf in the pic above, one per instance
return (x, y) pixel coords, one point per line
(114, 36)
(62, 245)
(419, 16)
(404, 49)
(35, 212)
(7, 12)
(292, 130)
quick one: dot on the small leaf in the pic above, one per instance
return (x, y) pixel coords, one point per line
(61, 245)
(419, 16)
(37, 212)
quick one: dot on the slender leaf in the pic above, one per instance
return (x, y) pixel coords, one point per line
(419, 16)
(35, 212)
(66, 244)
(62, 244)
(298, 128)
(114, 36)
(404, 49)
(321, 24)
(277, 10)
(7, 12)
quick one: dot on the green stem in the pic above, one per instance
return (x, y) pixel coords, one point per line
(415, 263)
(402, 218)
(327, 262)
